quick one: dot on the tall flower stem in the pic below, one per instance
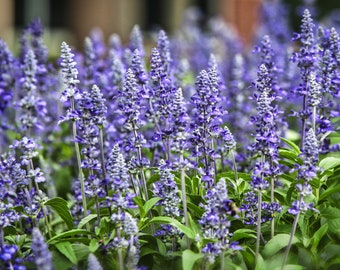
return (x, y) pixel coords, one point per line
(120, 254)
(303, 123)
(258, 226)
(80, 170)
(102, 158)
(222, 261)
(272, 200)
(272, 222)
(1, 237)
(292, 233)
(139, 156)
(184, 196)
(234, 164)
(43, 208)
(314, 118)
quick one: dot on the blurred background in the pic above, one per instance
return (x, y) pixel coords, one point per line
(72, 20)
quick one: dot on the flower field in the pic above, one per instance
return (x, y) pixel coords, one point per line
(192, 152)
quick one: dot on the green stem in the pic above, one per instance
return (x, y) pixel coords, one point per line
(272, 222)
(258, 227)
(303, 124)
(314, 118)
(80, 171)
(97, 209)
(102, 158)
(234, 165)
(1, 237)
(222, 261)
(120, 254)
(296, 219)
(139, 155)
(184, 194)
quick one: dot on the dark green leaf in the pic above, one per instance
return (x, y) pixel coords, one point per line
(328, 192)
(278, 242)
(161, 247)
(195, 210)
(167, 220)
(231, 175)
(66, 249)
(86, 219)
(148, 205)
(189, 259)
(318, 235)
(60, 261)
(288, 154)
(243, 233)
(60, 206)
(292, 145)
(329, 212)
(82, 251)
(67, 234)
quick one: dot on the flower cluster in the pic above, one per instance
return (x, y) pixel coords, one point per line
(250, 208)
(306, 172)
(42, 256)
(215, 221)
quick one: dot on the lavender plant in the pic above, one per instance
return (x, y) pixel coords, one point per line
(165, 171)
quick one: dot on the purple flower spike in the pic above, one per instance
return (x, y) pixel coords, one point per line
(42, 256)
(215, 221)
(70, 74)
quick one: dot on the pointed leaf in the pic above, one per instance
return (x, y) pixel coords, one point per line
(66, 249)
(329, 163)
(278, 242)
(60, 206)
(65, 235)
(86, 220)
(243, 233)
(292, 145)
(167, 220)
(148, 205)
(328, 192)
(260, 265)
(318, 235)
(189, 259)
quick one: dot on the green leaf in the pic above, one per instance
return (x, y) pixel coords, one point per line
(231, 175)
(196, 210)
(82, 251)
(161, 247)
(66, 249)
(60, 206)
(173, 222)
(328, 192)
(278, 242)
(292, 145)
(318, 235)
(148, 205)
(94, 245)
(329, 163)
(289, 154)
(290, 267)
(189, 259)
(260, 265)
(243, 233)
(329, 212)
(64, 235)
(86, 220)
(59, 261)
